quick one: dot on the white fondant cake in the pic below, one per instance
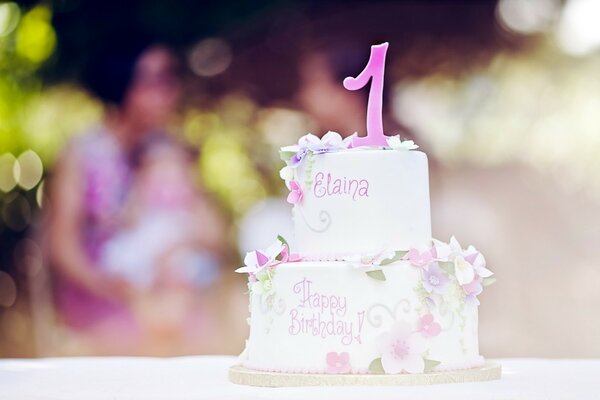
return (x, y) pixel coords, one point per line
(369, 291)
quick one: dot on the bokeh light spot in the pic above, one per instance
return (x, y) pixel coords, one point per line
(36, 38)
(227, 170)
(39, 195)
(7, 174)
(578, 32)
(527, 16)
(281, 126)
(8, 290)
(9, 18)
(31, 169)
(210, 57)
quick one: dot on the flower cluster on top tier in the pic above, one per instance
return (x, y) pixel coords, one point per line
(310, 144)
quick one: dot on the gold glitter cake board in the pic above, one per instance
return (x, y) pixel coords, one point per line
(244, 376)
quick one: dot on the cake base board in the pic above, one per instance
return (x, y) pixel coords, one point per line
(244, 376)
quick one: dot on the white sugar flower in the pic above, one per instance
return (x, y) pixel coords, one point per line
(287, 174)
(331, 141)
(370, 260)
(463, 270)
(447, 251)
(398, 144)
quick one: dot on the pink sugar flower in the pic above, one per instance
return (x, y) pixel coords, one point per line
(256, 261)
(295, 195)
(338, 363)
(419, 259)
(428, 327)
(402, 349)
(286, 256)
(472, 290)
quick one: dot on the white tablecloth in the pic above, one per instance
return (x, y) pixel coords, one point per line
(205, 377)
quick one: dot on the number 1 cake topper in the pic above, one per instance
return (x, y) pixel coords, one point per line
(373, 71)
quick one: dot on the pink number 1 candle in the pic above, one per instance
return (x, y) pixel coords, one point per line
(373, 71)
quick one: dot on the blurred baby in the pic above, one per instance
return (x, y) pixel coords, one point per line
(155, 247)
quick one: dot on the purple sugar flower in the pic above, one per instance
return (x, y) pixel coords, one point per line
(298, 157)
(434, 279)
(331, 141)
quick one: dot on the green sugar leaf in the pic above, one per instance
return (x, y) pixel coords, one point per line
(430, 364)
(283, 241)
(376, 274)
(376, 367)
(397, 257)
(488, 281)
(447, 266)
(286, 155)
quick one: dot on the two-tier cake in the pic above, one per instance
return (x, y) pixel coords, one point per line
(366, 290)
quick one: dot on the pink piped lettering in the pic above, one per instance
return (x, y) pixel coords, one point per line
(328, 185)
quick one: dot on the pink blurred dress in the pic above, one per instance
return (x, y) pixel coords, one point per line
(106, 181)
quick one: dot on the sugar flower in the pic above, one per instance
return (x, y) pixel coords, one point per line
(298, 157)
(256, 261)
(338, 363)
(398, 144)
(263, 283)
(295, 195)
(419, 259)
(331, 141)
(472, 290)
(402, 349)
(477, 260)
(446, 251)
(463, 270)
(434, 279)
(428, 327)
(286, 173)
(370, 260)
(309, 143)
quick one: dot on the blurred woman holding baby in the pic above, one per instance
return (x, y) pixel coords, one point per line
(132, 238)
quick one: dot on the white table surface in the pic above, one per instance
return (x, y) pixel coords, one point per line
(205, 377)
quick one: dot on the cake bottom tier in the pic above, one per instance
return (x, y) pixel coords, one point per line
(332, 317)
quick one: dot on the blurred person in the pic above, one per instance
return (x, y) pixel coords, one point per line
(92, 183)
(322, 95)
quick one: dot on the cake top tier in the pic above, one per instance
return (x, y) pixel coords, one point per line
(359, 193)
(363, 199)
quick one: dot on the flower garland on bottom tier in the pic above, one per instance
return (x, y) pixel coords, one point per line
(437, 265)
